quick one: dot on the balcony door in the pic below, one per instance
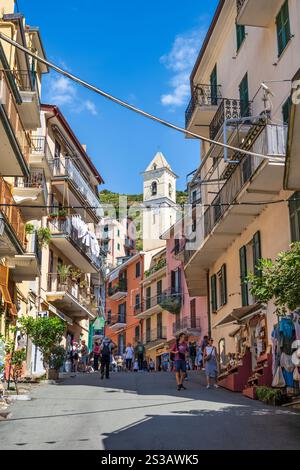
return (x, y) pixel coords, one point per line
(148, 298)
(193, 313)
(159, 291)
(148, 330)
(214, 86)
(122, 313)
(159, 326)
(176, 281)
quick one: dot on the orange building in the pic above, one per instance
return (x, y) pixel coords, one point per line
(123, 301)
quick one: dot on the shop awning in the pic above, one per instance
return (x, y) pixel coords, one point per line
(233, 333)
(238, 315)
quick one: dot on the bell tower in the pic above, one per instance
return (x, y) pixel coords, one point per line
(159, 202)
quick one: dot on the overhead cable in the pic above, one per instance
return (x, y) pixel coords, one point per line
(125, 104)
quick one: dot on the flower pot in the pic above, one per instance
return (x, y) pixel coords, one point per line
(52, 374)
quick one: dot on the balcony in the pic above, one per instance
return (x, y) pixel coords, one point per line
(27, 267)
(249, 13)
(167, 300)
(64, 169)
(228, 109)
(67, 295)
(31, 191)
(118, 291)
(153, 338)
(118, 322)
(40, 155)
(30, 107)
(179, 249)
(65, 237)
(188, 325)
(14, 141)
(12, 225)
(251, 180)
(202, 107)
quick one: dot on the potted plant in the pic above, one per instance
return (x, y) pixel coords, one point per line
(63, 271)
(76, 274)
(62, 214)
(56, 361)
(29, 229)
(43, 236)
(52, 215)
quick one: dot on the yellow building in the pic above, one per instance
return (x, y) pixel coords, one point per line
(241, 88)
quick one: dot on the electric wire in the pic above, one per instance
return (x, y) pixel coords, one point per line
(123, 103)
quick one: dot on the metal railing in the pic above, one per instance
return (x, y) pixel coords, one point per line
(121, 286)
(160, 298)
(202, 96)
(239, 5)
(33, 247)
(63, 225)
(62, 283)
(36, 179)
(25, 80)
(118, 318)
(8, 102)
(157, 334)
(229, 109)
(186, 323)
(64, 167)
(12, 214)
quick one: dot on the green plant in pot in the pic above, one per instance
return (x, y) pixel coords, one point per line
(29, 229)
(171, 304)
(44, 236)
(63, 271)
(62, 213)
(76, 274)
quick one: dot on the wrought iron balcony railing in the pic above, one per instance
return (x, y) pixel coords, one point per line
(118, 318)
(33, 247)
(121, 286)
(186, 323)
(229, 109)
(25, 80)
(12, 214)
(64, 226)
(64, 167)
(64, 283)
(36, 180)
(167, 300)
(203, 96)
(150, 336)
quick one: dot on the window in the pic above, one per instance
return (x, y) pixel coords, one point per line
(286, 109)
(250, 254)
(244, 96)
(122, 312)
(193, 313)
(294, 207)
(109, 317)
(213, 293)
(176, 281)
(218, 286)
(148, 330)
(214, 86)
(170, 190)
(137, 301)
(118, 233)
(137, 333)
(159, 324)
(240, 35)
(283, 28)
(176, 246)
(223, 285)
(118, 247)
(159, 291)
(154, 188)
(57, 150)
(148, 297)
(194, 196)
(121, 344)
(138, 269)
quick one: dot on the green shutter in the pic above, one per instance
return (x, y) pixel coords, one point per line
(244, 96)
(214, 86)
(240, 35)
(283, 27)
(223, 285)
(256, 253)
(213, 289)
(243, 268)
(286, 108)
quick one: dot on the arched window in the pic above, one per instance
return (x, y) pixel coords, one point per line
(154, 166)
(154, 188)
(170, 190)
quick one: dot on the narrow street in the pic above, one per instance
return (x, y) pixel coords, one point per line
(144, 411)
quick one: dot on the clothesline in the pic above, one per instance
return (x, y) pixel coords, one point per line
(87, 237)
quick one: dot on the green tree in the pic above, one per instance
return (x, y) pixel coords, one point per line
(279, 280)
(45, 333)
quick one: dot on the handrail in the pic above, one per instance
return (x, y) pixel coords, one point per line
(229, 109)
(186, 323)
(61, 283)
(203, 95)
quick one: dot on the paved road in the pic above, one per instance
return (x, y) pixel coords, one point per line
(144, 411)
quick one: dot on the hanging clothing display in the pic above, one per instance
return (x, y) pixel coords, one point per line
(87, 237)
(296, 320)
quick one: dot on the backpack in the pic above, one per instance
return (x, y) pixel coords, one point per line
(106, 350)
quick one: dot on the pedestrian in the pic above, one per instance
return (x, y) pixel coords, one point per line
(106, 349)
(96, 354)
(129, 355)
(136, 366)
(145, 365)
(199, 358)
(179, 352)
(192, 353)
(151, 365)
(140, 352)
(84, 355)
(204, 343)
(74, 357)
(211, 364)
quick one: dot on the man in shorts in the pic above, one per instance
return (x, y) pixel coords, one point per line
(179, 352)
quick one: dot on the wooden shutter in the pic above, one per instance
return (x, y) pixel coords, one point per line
(213, 289)
(240, 35)
(214, 86)
(283, 27)
(256, 245)
(193, 313)
(223, 285)
(244, 96)
(243, 268)
(4, 271)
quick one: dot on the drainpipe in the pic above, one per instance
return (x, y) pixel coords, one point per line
(208, 304)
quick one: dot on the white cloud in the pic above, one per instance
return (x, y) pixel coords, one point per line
(180, 60)
(61, 91)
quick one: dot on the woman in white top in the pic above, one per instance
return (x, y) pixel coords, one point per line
(211, 363)
(129, 355)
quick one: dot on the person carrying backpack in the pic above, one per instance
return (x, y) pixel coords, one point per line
(106, 349)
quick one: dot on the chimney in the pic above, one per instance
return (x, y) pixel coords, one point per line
(84, 147)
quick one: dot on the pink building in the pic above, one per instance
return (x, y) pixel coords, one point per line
(193, 316)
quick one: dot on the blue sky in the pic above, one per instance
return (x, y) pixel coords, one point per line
(142, 52)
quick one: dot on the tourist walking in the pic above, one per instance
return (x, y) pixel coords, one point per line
(192, 353)
(140, 352)
(129, 355)
(211, 364)
(96, 354)
(151, 365)
(179, 352)
(84, 355)
(106, 349)
(136, 366)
